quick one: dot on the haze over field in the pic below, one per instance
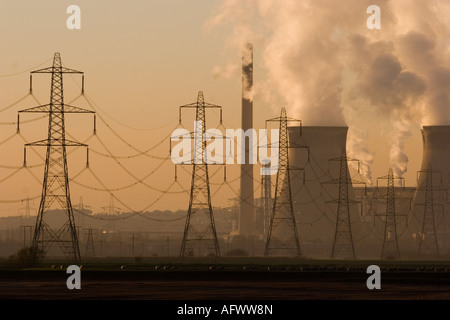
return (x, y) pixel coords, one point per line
(143, 60)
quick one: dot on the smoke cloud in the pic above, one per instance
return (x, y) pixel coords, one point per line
(247, 65)
(330, 69)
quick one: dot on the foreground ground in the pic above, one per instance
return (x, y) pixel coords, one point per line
(229, 280)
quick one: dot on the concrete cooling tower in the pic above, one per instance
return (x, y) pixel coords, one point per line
(316, 219)
(436, 156)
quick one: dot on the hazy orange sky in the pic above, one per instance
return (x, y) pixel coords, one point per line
(143, 59)
(141, 62)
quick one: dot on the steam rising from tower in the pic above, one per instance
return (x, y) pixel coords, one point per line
(324, 64)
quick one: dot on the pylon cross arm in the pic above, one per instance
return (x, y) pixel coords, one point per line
(57, 70)
(44, 108)
(204, 104)
(72, 109)
(56, 142)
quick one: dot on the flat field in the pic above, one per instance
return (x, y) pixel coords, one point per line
(228, 279)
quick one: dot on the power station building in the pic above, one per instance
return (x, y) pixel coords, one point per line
(421, 212)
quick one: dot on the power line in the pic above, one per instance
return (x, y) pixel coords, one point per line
(130, 173)
(96, 106)
(26, 121)
(24, 71)
(14, 103)
(131, 185)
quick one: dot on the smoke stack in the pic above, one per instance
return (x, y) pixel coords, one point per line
(316, 219)
(246, 214)
(436, 153)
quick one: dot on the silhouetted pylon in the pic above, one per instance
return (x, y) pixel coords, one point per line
(266, 200)
(200, 231)
(343, 246)
(282, 236)
(390, 249)
(55, 187)
(90, 250)
(428, 239)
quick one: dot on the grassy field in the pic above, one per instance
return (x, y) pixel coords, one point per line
(226, 278)
(235, 264)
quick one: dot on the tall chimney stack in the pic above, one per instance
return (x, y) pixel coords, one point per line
(246, 214)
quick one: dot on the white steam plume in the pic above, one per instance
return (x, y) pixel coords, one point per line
(330, 69)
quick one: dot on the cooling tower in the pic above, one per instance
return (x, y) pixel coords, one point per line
(316, 219)
(436, 154)
(436, 150)
(246, 213)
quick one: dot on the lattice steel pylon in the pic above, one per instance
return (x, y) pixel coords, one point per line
(428, 239)
(390, 249)
(343, 246)
(90, 250)
(200, 230)
(282, 236)
(55, 186)
(266, 199)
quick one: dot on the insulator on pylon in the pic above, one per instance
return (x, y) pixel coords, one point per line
(224, 173)
(176, 177)
(18, 120)
(24, 157)
(31, 84)
(95, 123)
(87, 157)
(82, 84)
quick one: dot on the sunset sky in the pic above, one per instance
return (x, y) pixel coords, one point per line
(143, 59)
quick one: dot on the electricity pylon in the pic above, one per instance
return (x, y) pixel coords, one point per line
(343, 246)
(111, 209)
(428, 243)
(282, 236)
(390, 249)
(200, 230)
(55, 186)
(27, 208)
(266, 199)
(25, 217)
(90, 251)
